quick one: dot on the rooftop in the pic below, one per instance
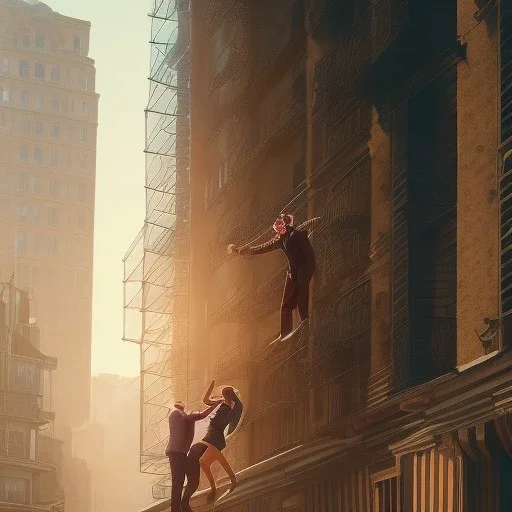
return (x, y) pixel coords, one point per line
(38, 8)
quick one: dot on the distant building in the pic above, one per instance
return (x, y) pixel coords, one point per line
(48, 124)
(29, 458)
(110, 445)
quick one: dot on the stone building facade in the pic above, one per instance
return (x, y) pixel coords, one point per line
(392, 121)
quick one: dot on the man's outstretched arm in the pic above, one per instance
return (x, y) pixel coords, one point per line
(271, 245)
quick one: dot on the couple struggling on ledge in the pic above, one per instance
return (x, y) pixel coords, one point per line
(188, 461)
(294, 242)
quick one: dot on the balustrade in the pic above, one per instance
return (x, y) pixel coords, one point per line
(278, 429)
(20, 405)
(340, 70)
(276, 39)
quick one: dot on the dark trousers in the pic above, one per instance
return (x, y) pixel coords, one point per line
(193, 473)
(295, 295)
(178, 462)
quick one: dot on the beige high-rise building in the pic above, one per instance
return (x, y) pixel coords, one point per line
(48, 125)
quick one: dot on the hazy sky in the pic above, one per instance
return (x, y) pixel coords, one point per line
(119, 45)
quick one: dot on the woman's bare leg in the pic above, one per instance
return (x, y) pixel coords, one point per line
(207, 470)
(227, 468)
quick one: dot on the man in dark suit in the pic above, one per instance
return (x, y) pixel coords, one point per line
(301, 267)
(181, 435)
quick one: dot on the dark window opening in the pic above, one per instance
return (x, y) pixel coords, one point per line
(425, 234)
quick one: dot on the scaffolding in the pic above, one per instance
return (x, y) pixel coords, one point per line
(156, 266)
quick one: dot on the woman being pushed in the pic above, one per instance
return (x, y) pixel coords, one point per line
(203, 454)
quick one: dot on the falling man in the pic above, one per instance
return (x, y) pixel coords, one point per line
(294, 242)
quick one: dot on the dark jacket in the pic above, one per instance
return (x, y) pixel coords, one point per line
(297, 247)
(224, 417)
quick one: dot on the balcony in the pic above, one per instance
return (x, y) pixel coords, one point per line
(339, 256)
(327, 19)
(279, 39)
(234, 364)
(341, 358)
(285, 119)
(267, 297)
(338, 129)
(349, 321)
(229, 63)
(234, 309)
(24, 407)
(278, 427)
(340, 71)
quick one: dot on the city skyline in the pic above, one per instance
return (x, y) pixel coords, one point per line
(120, 148)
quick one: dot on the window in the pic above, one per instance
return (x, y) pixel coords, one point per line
(24, 183)
(54, 158)
(38, 156)
(16, 444)
(13, 490)
(25, 98)
(25, 41)
(25, 126)
(55, 74)
(40, 42)
(83, 135)
(20, 242)
(70, 133)
(55, 131)
(73, 106)
(40, 128)
(6, 93)
(84, 83)
(39, 72)
(424, 250)
(4, 65)
(2, 121)
(68, 76)
(52, 245)
(24, 69)
(37, 185)
(81, 220)
(40, 100)
(84, 163)
(22, 211)
(65, 105)
(54, 188)
(53, 45)
(77, 44)
(37, 244)
(24, 157)
(52, 216)
(55, 104)
(26, 377)
(85, 109)
(69, 162)
(82, 192)
(36, 216)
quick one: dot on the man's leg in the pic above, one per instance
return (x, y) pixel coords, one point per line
(178, 463)
(288, 304)
(303, 296)
(193, 474)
